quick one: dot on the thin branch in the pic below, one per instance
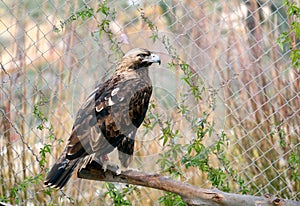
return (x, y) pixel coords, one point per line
(192, 195)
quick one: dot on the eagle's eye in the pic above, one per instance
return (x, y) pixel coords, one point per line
(142, 55)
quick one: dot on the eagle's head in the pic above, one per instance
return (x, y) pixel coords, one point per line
(138, 58)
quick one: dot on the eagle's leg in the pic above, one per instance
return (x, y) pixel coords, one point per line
(107, 165)
(104, 160)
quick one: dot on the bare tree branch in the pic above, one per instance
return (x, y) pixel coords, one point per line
(192, 195)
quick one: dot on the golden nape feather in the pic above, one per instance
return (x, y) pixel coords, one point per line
(109, 118)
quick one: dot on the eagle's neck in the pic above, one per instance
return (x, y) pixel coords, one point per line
(131, 72)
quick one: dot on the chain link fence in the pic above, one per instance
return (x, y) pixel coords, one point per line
(53, 53)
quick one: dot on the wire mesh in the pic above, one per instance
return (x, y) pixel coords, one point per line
(53, 55)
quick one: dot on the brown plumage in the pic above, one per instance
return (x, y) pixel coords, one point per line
(109, 118)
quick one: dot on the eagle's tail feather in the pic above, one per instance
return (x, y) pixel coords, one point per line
(61, 172)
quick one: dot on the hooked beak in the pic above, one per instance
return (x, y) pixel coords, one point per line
(153, 58)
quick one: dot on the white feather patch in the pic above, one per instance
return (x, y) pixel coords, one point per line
(110, 102)
(115, 91)
(98, 109)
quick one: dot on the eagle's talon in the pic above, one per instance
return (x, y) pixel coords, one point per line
(104, 167)
(118, 172)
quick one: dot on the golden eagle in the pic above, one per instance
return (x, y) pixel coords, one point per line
(109, 118)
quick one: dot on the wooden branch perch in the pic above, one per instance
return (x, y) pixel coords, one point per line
(192, 195)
